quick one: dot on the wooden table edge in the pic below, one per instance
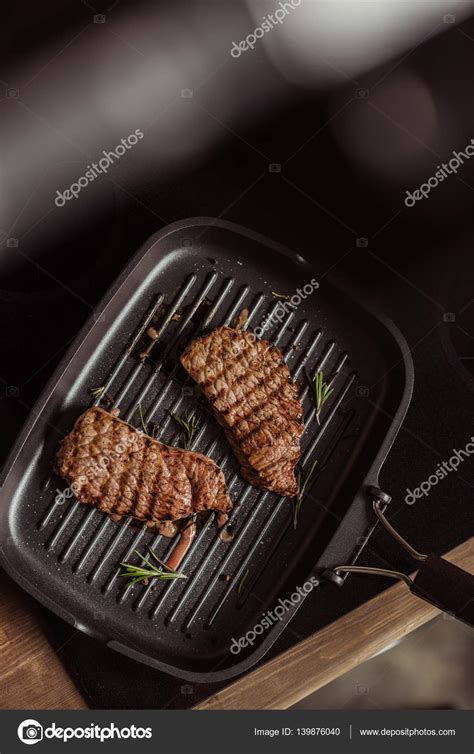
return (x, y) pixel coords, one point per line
(31, 674)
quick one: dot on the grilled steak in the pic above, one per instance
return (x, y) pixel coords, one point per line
(120, 470)
(254, 398)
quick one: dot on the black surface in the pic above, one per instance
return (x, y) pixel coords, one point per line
(416, 267)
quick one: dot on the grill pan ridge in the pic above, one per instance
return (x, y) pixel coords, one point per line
(187, 279)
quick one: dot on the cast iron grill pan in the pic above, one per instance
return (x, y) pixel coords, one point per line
(188, 279)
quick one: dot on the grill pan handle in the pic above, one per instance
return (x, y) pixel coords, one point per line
(446, 586)
(437, 581)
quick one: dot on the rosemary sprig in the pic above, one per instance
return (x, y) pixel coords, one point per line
(96, 392)
(137, 573)
(322, 391)
(142, 421)
(303, 478)
(188, 427)
(243, 580)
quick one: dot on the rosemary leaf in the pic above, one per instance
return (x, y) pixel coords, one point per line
(137, 573)
(142, 419)
(188, 427)
(322, 391)
(96, 392)
(303, 478)
(243, 580)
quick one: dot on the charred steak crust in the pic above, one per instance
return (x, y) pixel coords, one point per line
(120, 470)
(256, 401)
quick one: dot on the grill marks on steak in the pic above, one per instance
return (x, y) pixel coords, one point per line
(142, 477)
(254, 398)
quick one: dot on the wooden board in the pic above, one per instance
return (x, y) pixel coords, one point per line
(336, 649)
(31, 674)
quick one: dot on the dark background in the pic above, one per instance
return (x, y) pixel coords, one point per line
(415, 265)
